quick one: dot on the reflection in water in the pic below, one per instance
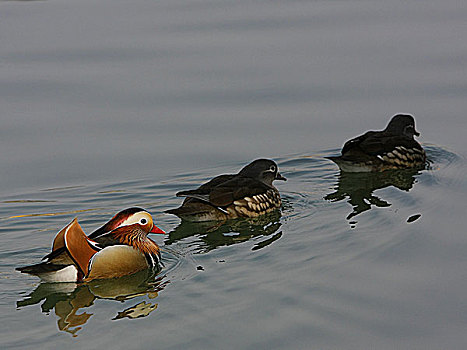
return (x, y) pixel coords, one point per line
(359, 188)
(66, 299)
(139, 310)
(212, 235)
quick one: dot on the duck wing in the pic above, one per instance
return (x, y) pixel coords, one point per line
(80, 248)
(202, 193)
(356, 143)
(226, 193)
(378, 143)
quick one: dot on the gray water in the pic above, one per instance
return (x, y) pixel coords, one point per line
(109, 104)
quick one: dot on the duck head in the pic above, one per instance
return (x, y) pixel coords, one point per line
(264, 170)
(402, 124)
(128, 217)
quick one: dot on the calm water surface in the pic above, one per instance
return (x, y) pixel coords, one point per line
(109, 104)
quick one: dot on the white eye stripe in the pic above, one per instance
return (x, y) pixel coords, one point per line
(141, 218)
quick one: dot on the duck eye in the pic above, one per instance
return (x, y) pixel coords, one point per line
(143, 221)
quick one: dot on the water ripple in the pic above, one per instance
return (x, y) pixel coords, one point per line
(328, 219)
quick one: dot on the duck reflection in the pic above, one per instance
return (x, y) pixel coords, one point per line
(67, 299)
(359, 188)
(211, 235)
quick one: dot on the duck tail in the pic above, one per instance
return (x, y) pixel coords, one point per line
(40, 268)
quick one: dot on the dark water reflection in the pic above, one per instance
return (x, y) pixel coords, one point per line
(359, 188)
(211, 235)
(69, 301)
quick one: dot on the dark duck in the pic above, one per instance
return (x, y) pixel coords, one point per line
(248, 194)
(391, 148)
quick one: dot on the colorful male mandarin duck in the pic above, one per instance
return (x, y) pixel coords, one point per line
(391, 148)
(120, 247)
(250, 193)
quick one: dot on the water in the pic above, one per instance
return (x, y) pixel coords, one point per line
(106, 105)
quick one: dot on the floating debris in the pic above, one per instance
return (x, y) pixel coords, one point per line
(413, 218)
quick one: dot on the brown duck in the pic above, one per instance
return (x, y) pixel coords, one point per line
(120, 247)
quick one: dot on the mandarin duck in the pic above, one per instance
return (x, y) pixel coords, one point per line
(120, 247)
(250, 193)
(391, 148)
